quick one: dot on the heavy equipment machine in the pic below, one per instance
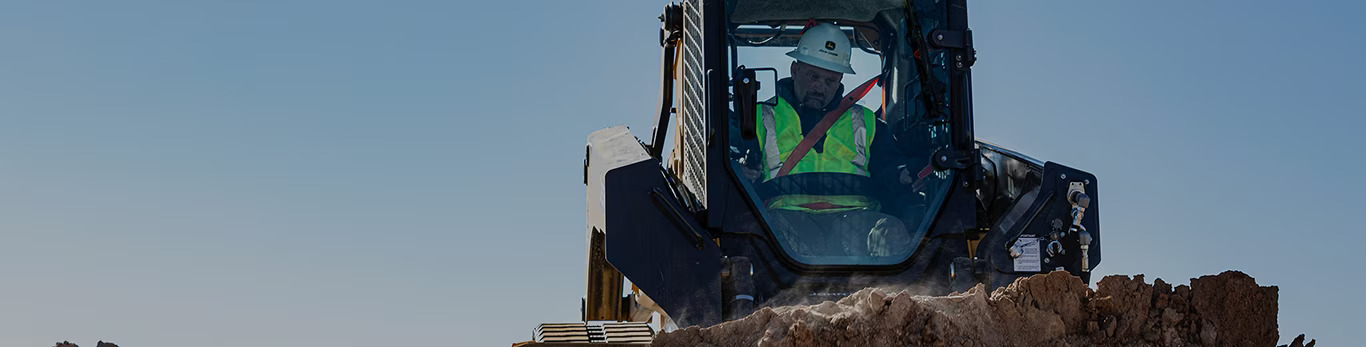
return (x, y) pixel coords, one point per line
(692, 236)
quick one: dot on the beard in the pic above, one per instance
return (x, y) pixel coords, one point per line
(814, 100)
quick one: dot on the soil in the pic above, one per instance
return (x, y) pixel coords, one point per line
(1054, 309)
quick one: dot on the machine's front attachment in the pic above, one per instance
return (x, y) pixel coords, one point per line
(650, 235)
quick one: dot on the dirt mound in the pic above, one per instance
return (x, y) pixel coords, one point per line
(1055, 309)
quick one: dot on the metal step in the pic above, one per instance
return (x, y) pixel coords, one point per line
(627, 333)
(597, 333)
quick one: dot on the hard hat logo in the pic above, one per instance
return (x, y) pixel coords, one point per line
(824, 46)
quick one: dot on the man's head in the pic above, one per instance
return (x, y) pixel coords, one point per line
(813, 86)
(822, 59)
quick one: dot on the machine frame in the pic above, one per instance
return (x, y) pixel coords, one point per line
(696, 248)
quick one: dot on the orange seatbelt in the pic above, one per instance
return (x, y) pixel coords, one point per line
(819, 130)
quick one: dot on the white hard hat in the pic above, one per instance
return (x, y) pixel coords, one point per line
(826, 47)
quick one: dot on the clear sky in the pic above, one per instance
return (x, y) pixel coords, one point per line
(275, 173)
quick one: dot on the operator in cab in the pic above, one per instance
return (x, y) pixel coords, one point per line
(826, 200)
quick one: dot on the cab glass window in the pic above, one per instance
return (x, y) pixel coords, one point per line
(865, 192)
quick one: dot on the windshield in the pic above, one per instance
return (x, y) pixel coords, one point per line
(839, 158)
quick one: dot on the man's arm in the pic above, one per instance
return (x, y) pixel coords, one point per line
(887, 160)
(894, 171)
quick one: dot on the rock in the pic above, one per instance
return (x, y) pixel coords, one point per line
(1240, 312)
(1299, 342)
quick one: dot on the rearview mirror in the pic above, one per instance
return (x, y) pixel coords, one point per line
(746, 87)
(746, 93)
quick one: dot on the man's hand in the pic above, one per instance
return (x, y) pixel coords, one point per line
(748, 163)
(751, 174)
(907, 178)
(906, 175)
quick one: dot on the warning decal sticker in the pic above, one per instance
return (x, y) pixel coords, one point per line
(1029, 260)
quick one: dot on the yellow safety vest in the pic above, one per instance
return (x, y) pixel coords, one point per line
(845, 151)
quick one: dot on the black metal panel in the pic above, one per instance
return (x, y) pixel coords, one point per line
(1040, 214)
(660, 249)
(650, 237)
(717, 96)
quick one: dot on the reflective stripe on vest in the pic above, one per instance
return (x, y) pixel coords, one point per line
(772, 159)
(860, 143)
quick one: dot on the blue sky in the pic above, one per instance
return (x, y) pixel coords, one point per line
(356, 174)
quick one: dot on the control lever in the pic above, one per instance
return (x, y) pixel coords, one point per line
(1076, 195)
(1085, 239)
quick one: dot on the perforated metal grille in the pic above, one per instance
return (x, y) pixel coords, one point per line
(693, 113)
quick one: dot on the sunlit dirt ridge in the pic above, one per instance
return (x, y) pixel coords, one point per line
(1055, 309)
